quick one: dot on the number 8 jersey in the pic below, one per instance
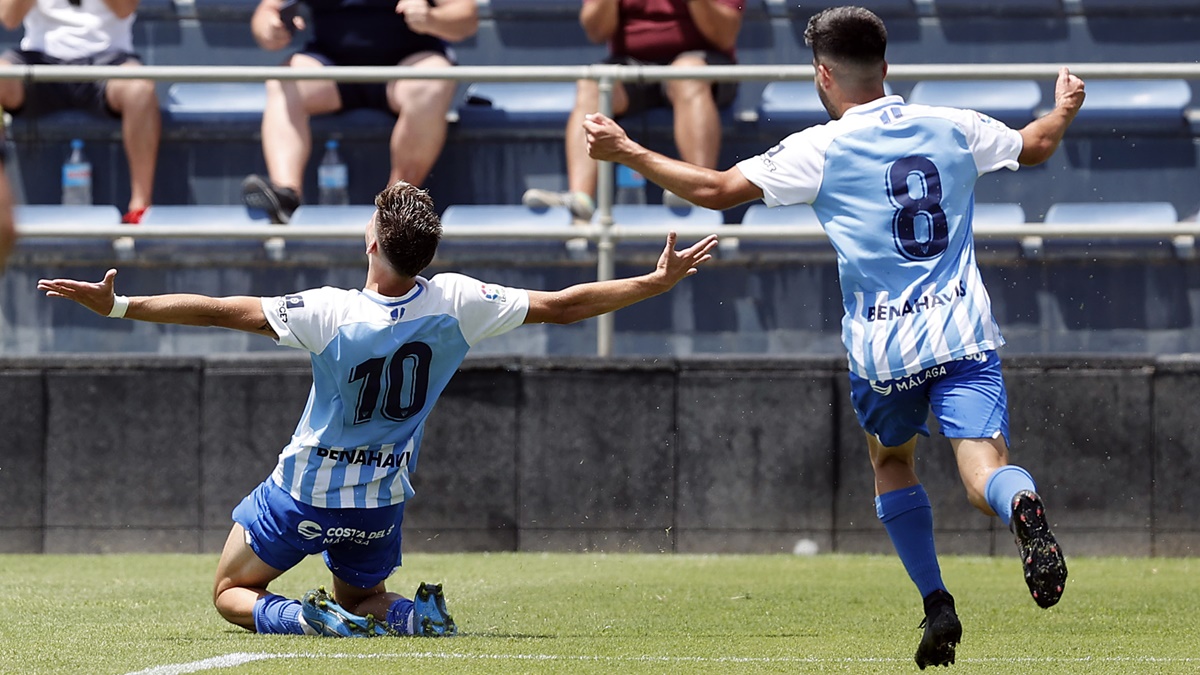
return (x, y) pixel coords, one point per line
(893, 186)
(379, 364)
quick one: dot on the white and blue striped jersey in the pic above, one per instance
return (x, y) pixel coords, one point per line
(893, 185)
(379, 364)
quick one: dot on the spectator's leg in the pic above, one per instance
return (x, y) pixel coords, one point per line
(581, 169)
(420, 131)
(141, 128)
(697, 122)
(286, 135)
(12, 91)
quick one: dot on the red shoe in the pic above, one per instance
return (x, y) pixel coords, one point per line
(134, 217)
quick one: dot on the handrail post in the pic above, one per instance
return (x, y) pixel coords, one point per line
(605, 264)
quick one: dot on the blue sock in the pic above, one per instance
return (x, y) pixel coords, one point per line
(1003, 485)
(400, 616)
(908, 518)
(275, 614)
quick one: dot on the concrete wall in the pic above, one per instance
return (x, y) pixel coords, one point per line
(109, 454)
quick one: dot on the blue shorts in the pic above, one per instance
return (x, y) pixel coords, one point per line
(361, 546)
(967, 397)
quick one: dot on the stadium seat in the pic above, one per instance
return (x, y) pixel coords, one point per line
(1134, 105)
(71, 248)
(803, 9)
(197, 218)
(1136, 7)
(215, 102)
(517, 105)
(791, 106)
(503, 215)
(541, 9)
(635, 215)
(1013, 102)
(1003, 8)
(1099, 213)
(1003, 214)
(794, 214)
(308, 215)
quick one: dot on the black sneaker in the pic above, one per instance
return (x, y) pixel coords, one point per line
(943, 631)
(1045, 568)
(278, 202)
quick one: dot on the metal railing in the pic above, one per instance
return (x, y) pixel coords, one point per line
(605, 232)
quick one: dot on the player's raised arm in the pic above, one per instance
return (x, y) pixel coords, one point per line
(236, 312)
(1041, 137)
(701, 186)
(584, 301)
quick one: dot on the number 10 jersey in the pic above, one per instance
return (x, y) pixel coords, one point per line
(893, 186)
(379, 364)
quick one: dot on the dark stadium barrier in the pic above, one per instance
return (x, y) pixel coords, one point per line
(112, 454)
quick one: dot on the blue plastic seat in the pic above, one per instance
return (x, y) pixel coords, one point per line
(1004, 8)
(794, 214)
(1138, 7)
(197, 218)
(1134, 105)
(215, 102)
(307, 215)
(539, 9)
(634, 215)
(517, 105)
(1149, 213)
(793, 105)
(501, 215)
(1013, 102)
(1099, 213)
(999, 214)
(69, 248)
(803, 9)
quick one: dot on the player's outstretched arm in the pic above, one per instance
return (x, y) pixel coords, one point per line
(701, 186)
(1041, 137)
(237, 312)
(583, 301)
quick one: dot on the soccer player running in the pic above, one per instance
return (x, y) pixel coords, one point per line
(893, 187)
(381, 357)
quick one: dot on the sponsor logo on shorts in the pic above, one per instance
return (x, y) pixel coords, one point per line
(914, 381)
(338, 535)
(309, 530)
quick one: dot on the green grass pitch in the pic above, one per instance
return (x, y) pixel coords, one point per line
(593, 613)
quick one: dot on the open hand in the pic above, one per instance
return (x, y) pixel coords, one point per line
(96, 296)
(674, 265)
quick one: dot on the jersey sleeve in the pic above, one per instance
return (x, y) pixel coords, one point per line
(993, 144)
(790, 172)
(306, 320)
(484, 310)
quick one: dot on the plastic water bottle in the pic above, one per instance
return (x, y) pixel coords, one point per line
(332, 177)
(631, 186)
(77, 177)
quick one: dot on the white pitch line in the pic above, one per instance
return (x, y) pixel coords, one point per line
(240, 658)
(226, 661)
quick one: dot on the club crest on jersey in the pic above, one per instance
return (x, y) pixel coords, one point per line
(984, 118)
(493, 293)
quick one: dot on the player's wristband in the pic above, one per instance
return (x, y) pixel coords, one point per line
(120, 305)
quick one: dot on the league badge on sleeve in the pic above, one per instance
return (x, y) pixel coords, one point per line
(294, 301)
(493, 293)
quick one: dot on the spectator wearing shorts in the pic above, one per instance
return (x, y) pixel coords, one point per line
(682, 33)
(412, 33)
(87, 33)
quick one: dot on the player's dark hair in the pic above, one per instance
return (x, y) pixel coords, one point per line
(407, 227)
(850, 35)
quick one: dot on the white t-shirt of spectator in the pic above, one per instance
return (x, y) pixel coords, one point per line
(66, 31)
